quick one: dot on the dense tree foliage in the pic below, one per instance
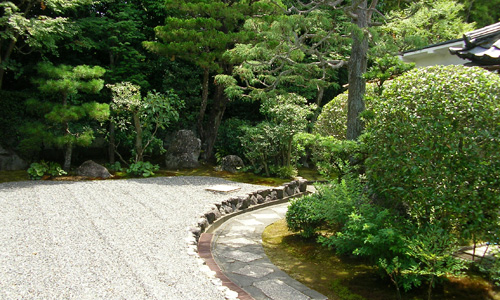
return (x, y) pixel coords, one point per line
(201, 32)
(60, 126)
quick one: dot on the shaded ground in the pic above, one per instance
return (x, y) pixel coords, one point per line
(204, 170)
(350, 279)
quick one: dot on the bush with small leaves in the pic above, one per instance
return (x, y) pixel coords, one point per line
(303, 216)
(332, 121)
(434, 149)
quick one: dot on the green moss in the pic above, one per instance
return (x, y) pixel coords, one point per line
(8, 176)
(347, 278)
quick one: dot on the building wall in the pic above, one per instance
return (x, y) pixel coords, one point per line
(434, 55)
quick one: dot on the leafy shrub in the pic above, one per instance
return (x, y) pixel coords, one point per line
(333, 118)
(115, 167)
(492, 267)
(352, 224)
(228, 137)
(434, 148)
(333, 158)
(38, 170)
(270, 144)
(142, 168)
(303, 215)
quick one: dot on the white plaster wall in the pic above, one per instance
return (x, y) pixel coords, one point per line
(438, 55)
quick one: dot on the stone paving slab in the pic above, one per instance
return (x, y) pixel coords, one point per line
(237, 249)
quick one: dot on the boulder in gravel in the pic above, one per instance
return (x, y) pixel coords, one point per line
(10, 161)
(92, 169)
(184, 151)
(231, 163)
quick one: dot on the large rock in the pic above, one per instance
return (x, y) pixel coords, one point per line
(92, 169)
(231, 163)
(10, 161)
(184, 151)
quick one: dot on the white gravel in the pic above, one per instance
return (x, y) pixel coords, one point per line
(114, 239)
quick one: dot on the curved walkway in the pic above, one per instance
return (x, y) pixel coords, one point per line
(113, 239)
(237, 249)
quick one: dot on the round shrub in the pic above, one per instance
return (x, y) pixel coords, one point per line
(434, 148)
(303, 215)
(333, 117)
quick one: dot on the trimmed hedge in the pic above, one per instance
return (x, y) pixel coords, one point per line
(434, 148)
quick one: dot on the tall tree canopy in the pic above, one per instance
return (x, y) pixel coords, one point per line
(200, 32)
(31, 25)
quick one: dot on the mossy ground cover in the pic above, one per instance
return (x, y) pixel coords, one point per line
(203, 170)
(348, 278)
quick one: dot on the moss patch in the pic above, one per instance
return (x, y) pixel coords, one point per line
(345, 278)
(203, 170)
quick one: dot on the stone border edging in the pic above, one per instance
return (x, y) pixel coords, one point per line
(218, 213)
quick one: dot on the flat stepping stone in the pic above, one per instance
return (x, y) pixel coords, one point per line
(221, 188)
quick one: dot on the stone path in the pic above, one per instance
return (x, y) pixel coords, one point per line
(237, 249)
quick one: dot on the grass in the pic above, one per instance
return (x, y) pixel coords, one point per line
(348, 278)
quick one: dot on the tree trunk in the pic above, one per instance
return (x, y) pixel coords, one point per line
(112, 143)
(210, 132)
(357, 67)
(204, 101)
(68, 148)
(138, 138)
(68, 153)
(6, 58)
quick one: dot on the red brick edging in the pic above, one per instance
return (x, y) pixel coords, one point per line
(205, 252)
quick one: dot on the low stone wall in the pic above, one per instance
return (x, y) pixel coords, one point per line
(219, 212)
(240, 203)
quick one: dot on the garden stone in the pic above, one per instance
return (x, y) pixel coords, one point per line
(92, 169)
(10, 161)
(231, 163)
(184, 151)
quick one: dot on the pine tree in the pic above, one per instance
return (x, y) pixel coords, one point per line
(60, 126)
(200, 33)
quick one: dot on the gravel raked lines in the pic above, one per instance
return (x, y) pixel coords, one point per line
(113, 239)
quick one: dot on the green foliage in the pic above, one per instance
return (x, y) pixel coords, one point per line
(481, 12)
(115, 167)
(441, 143)
(294, 53)
(228, 139)
(333, 118)
(385, 68)
(437, 21)
(491, 267)
(333, 158)
(202, 31)
(303, 216)
(147, 115)
(349, 222)
(62, 124)
(269, 145)
(35, 25)
(142, 168)
(38, 170)
(343, 292)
